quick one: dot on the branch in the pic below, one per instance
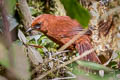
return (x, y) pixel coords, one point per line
(72, 40)
(66, 63)
(27, 18)
(68, 44)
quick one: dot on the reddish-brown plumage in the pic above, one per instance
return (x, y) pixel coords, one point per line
(61, 29)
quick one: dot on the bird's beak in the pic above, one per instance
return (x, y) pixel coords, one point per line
(29, 29)
(34, 28)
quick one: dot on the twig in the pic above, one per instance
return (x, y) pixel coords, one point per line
(72, 40)
(68, 72)
(68, 44)
(66, 63)
(60, 52)
(48, 60)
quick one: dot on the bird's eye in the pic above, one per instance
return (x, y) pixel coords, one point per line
(38, 25)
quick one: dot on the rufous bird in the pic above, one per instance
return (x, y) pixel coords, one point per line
(62, 29)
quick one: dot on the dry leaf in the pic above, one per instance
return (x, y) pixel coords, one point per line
(34, 55)
(2, 78)
(21, 64)
(21, 36)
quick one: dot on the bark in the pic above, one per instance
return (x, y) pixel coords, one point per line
(27, 18)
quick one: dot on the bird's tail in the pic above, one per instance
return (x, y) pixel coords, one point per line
(83, 44)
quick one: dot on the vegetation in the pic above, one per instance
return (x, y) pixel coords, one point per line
(33, 56)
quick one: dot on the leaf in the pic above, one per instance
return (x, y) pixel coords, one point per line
(13, 22)
(36, 37)
(11, 6)
(76, 11)
(78, 71)
(21, 64)
(94, 66)
(22, 37)
(33, 11)
(3, 56)
(34, 55)
(2, 78)
(32, 52)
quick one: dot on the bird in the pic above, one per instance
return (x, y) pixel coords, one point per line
(61, 29)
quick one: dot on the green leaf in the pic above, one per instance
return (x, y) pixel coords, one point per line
(118, 52)
(76, 11)
(33, 11)
(80, 72)
(11, 6)
(93, 66)
(3, 56)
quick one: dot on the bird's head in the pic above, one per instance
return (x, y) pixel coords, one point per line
(40, 23)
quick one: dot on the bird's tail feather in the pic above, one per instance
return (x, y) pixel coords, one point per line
(83, 44)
